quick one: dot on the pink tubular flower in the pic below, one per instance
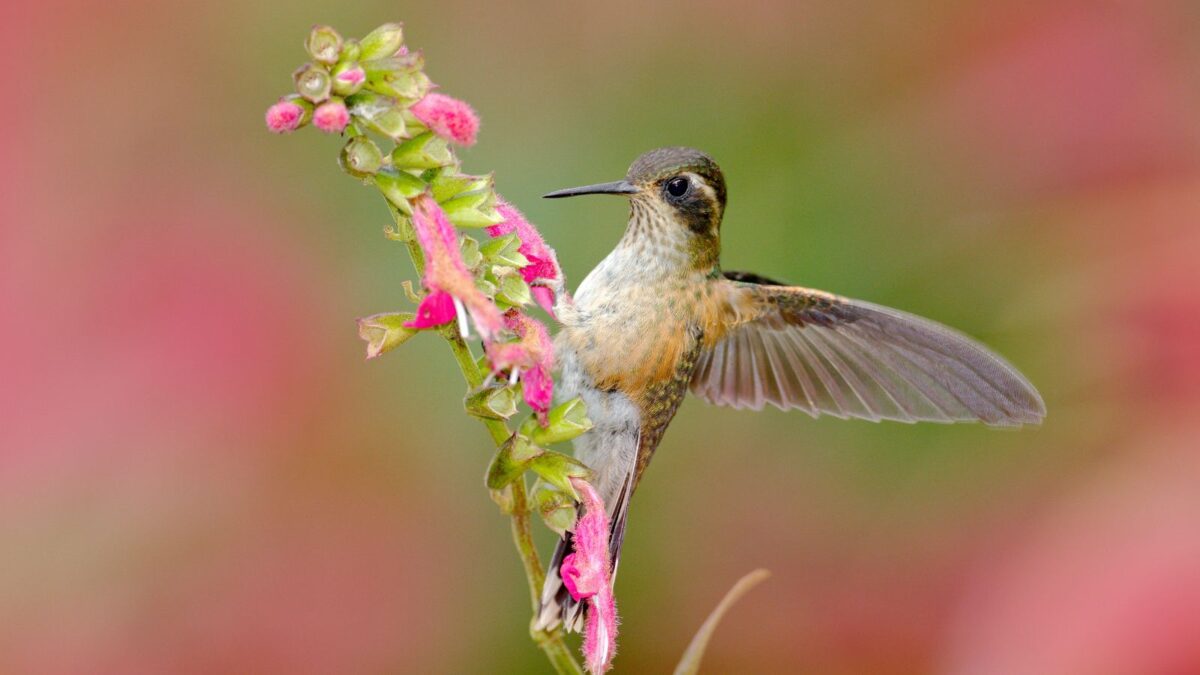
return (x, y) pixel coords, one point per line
(542, 273)
(436, 309)
(587, 574)
(532, 354)
(284, 116)
(445, 272)
(331, 117)
(448, 117)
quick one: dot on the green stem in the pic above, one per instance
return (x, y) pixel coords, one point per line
(551, 641)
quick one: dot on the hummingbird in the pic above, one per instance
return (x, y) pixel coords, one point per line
(659, 317)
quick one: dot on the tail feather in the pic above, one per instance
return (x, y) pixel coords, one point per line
(557, 605)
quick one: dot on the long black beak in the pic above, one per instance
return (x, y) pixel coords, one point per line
(617, 187)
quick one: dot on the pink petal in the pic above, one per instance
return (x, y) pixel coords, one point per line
(448, 117)
(435, 310)
(284, 116)
(331, 117)
(444, 267)
(352, 75)
(538, 390)
(590, 576)
(544, 297)
(579, 585)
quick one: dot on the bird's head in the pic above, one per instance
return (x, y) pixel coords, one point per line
(676, 187)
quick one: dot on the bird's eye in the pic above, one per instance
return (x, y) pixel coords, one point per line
(678, 187)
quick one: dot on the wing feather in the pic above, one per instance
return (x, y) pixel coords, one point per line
(797, 348)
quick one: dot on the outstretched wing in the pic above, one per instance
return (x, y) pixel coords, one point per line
(801, 348)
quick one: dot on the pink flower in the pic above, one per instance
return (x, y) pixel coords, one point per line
(542, 273)
(532, 354)
(436, 309)
(284, 116)
(353, 75)
(445, 271)
(331, 117)
(587, 575)
(448, 117)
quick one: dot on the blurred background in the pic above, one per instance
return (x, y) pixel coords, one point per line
(199, 473)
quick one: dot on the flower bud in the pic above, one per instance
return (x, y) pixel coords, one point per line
(380, 113)
(448, 117)
(348, 78)
(511, 461)
(312, 82)
(361, 157)
(324, 44)
(495, 403)
(399, 187)
(556, 507)
(398, 76)
(564, 422)
(558, 470)
(504, 251)
(331, 116)
(350, 50)
(426, 151)
(288, 114)
(383, 41)
(384, 332)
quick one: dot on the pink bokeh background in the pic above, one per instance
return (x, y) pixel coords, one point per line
(200, 473)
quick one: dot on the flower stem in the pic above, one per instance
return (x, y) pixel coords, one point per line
(551, 641)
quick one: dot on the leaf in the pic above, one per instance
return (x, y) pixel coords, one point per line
(690, 663)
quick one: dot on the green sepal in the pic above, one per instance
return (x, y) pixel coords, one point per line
(426, 151)
(564, 422)
(379, 113)
(324, 44)
(511, 460)
(313, 82)
(469, 248)
(476, 208)
(502, 250)
(556, 507)
(383, 41)
(448, 184)
(514, 290)
(360, 157)
(558, 470)
(385, 332)
(493, 403)
(399, 187)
